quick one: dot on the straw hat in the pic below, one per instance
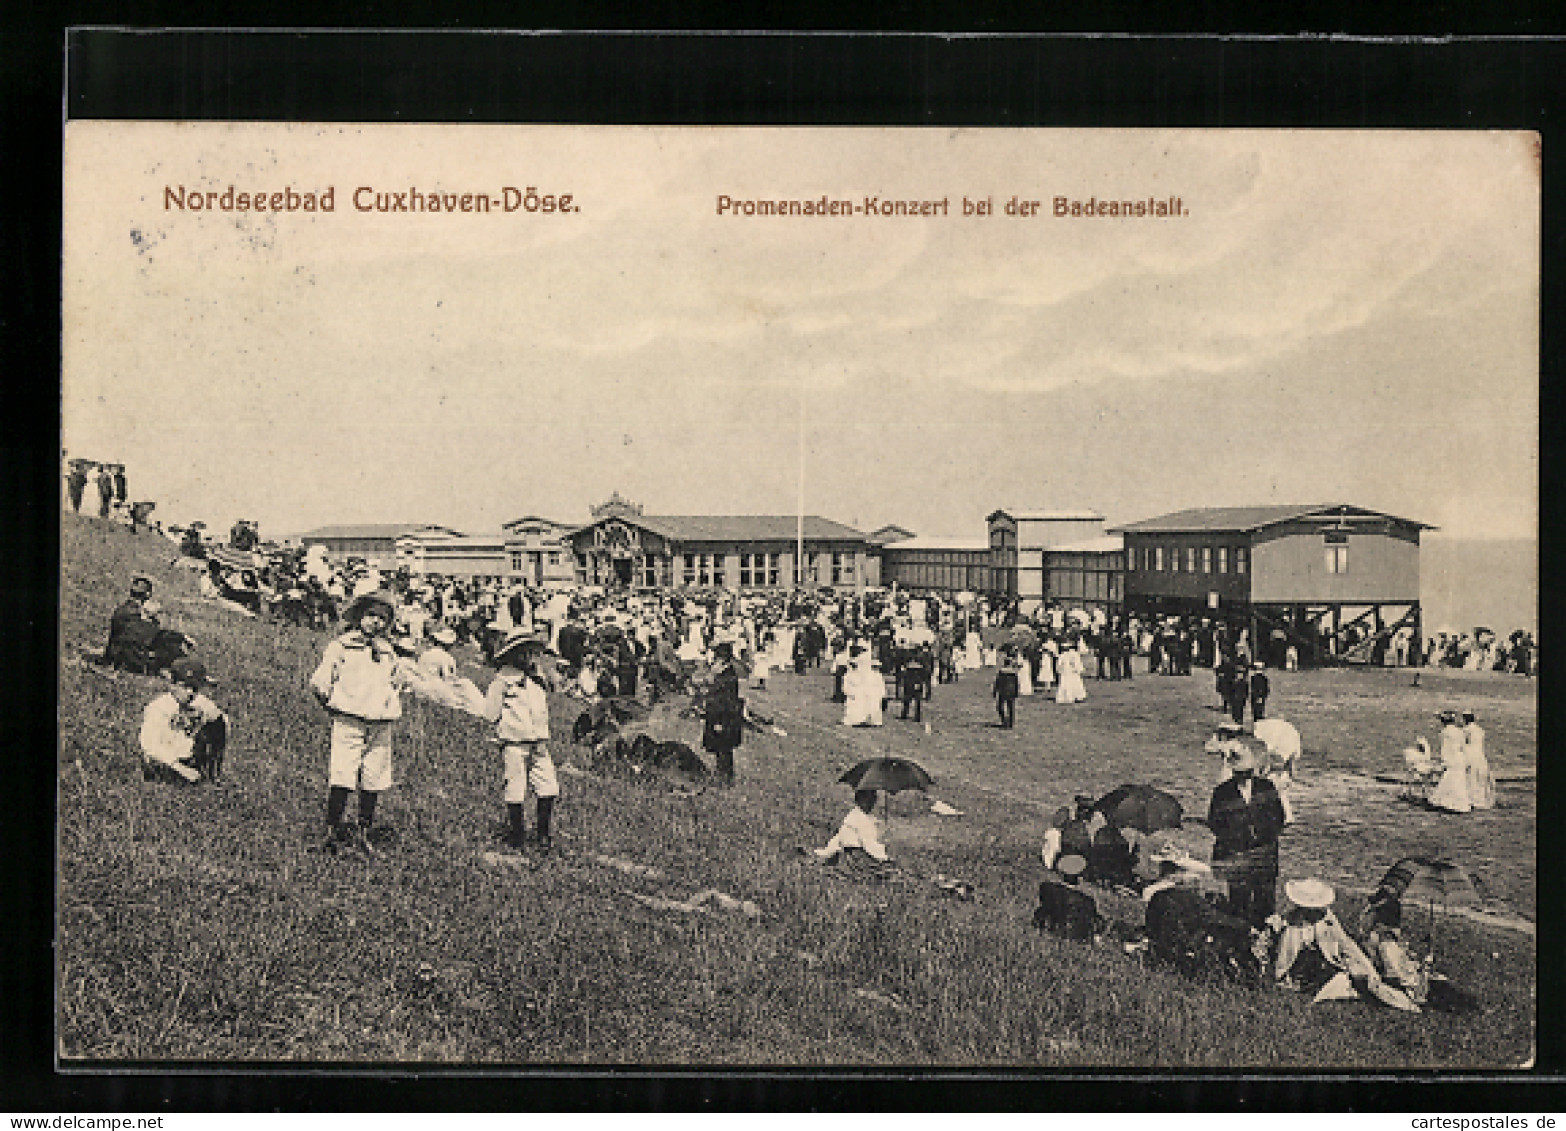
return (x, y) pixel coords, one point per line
(1071, 865)
(444, 635)
(1311, 893)
(519, 639)
(362, 603)
(1240, 757)
(190, 672)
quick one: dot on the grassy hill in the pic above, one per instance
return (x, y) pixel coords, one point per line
(200, 924)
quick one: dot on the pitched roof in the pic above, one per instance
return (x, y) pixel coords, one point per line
(1050, 516)
(891, 532)
(375, 530)
(940, 542)
(1246, 519)
(738, 528)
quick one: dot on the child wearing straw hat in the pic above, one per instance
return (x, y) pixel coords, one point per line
(518, 706)
(359, 683)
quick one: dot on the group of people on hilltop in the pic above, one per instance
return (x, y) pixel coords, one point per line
(88, 480)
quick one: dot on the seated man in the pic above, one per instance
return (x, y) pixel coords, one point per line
(182, 731)
(1071, 833)
(1064, 909)
(858, 840)
(1187, 931)
(137, 642)
(1111, 859)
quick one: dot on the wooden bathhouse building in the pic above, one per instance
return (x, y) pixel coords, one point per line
(1334, 580)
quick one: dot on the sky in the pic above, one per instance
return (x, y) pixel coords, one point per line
(1335, 317)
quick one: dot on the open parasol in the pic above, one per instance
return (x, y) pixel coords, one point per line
(891, 775)
(1140, 807)
(1430, 880)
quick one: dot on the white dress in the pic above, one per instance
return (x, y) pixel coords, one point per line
(865, 688)
(1451, 793)
(972, 652)
(1070, 689)
(1481, 785)
(1047, 665)
(1024, 676)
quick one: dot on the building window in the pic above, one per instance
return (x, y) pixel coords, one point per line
(690, 569)
(1240, 556)
(718, 572)
(1207, 559)
(554, 559)
(842, 572)
(1158, 558)
(1190, 559)
(1337, 553)
(1223, 559)
(774, 569)
(746, 576)
(649, 571)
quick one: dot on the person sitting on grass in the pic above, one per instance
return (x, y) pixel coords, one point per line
(1071, 833)
(1314, 954)
(1064, 909)
(359, 683)
(183, 732)
(1112, 858)
(858, 840)
(1399, 967)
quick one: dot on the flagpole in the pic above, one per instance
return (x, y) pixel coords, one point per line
(799, 549)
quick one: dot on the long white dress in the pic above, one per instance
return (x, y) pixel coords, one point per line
(1070, 689)
(865, 688)
(1047, 666)
(973, 652)
(1024, 676)
(1451, 793)
(1481, 785)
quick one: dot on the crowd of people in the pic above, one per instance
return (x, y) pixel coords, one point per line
(394, 633)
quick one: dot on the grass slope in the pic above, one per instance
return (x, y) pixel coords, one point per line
(198, 924)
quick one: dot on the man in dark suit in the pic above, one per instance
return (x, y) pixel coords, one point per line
(1260, 688)
(1064, 909)
(1246, 818)
(912, 678)
(724, 713)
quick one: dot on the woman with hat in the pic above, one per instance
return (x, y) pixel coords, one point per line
(358, 682)
(518, 706)
(1451, 792)
(1481, 785)
(1316, 955)
(182, 725)
(1246, 818)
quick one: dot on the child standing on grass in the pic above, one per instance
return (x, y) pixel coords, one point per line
(517, 705)
(359, 682)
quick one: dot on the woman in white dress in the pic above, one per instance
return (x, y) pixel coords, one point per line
(1070, 689)
(1047, 656)
(1451, 793)
(1024, 674)
(1481, 785)
(973, 650)
(865, 688)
